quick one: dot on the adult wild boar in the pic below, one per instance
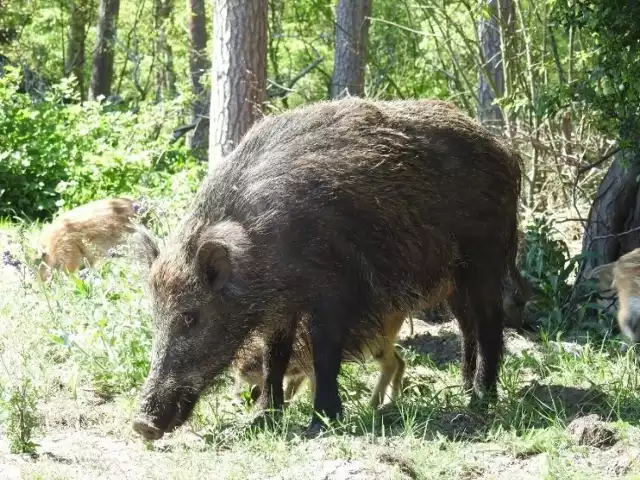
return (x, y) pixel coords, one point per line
(346, 211)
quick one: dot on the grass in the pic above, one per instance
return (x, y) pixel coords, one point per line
(81, 345)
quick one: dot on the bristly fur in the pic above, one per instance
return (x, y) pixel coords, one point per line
(342, 211)
(622, 277)
(248, 363)
(84, 233)
(145, 244)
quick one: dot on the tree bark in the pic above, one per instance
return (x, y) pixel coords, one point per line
(615, 210)
(198, 140)
(352, 33)
(239, 72)
(103, 56)
(492, 72)
(75, 57)
(165, 74)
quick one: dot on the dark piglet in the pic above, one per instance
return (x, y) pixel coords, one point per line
(342, 211)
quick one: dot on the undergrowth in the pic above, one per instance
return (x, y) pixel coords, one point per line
(95, 328)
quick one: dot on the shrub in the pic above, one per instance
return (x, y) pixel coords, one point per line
(107, 330)
(55, 153)
(35, 149)
(20, 415)
(549, 267)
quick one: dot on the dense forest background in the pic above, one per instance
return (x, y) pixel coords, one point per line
(108, 97)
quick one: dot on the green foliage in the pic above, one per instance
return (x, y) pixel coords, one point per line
(55, 154)
(123, 159)
(97, 323)
(13, 18)
(405, 62)
(300, 35)
(548, 266)
(108, 334)
(35, 149)
(610, 84)
(18, 407)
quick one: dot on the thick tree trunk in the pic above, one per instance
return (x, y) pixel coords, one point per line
(198, 140)
(239, 72)
(78, 17)
(352, 33)
(103, 56)
(615, 210)
(492, 73)
(165, 74)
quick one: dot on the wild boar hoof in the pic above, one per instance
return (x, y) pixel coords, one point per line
(480, 402)
(314, 429)
(266, 418)
(147, 430)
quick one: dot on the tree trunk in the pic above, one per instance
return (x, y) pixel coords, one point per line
(165, 74)
(492, 72)
(239, 72)
(352, 33)
(198, 140)
(103, 56)
(76, 47)
(615, 210)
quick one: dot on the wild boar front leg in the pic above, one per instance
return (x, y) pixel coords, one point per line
(326, 342)
(275, 360)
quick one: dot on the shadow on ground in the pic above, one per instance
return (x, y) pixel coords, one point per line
(442, 348)
(534, 406)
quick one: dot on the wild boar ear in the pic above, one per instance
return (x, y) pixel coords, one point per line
(147, 246)
(221, 251)
(214, 264)
(604, 275)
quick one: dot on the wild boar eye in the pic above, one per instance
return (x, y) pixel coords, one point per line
(190, 318)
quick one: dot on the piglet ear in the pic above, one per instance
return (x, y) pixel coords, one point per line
(604, 275)
(213, 262)
(44, 271)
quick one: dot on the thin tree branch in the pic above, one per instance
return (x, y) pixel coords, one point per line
(598, 162)
(613, 235)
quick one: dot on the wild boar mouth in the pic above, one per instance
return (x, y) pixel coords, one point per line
(156, 419)
(186, 402)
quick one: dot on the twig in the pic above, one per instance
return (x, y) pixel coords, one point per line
(179, 132)
(554, 52)
(283, 90)
(598, 162)
(306, 70)
(567, 220)
(127, 46)
(135, 59)
(614, 235)
(581, 171)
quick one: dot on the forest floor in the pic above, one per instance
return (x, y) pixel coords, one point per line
(569, 406)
